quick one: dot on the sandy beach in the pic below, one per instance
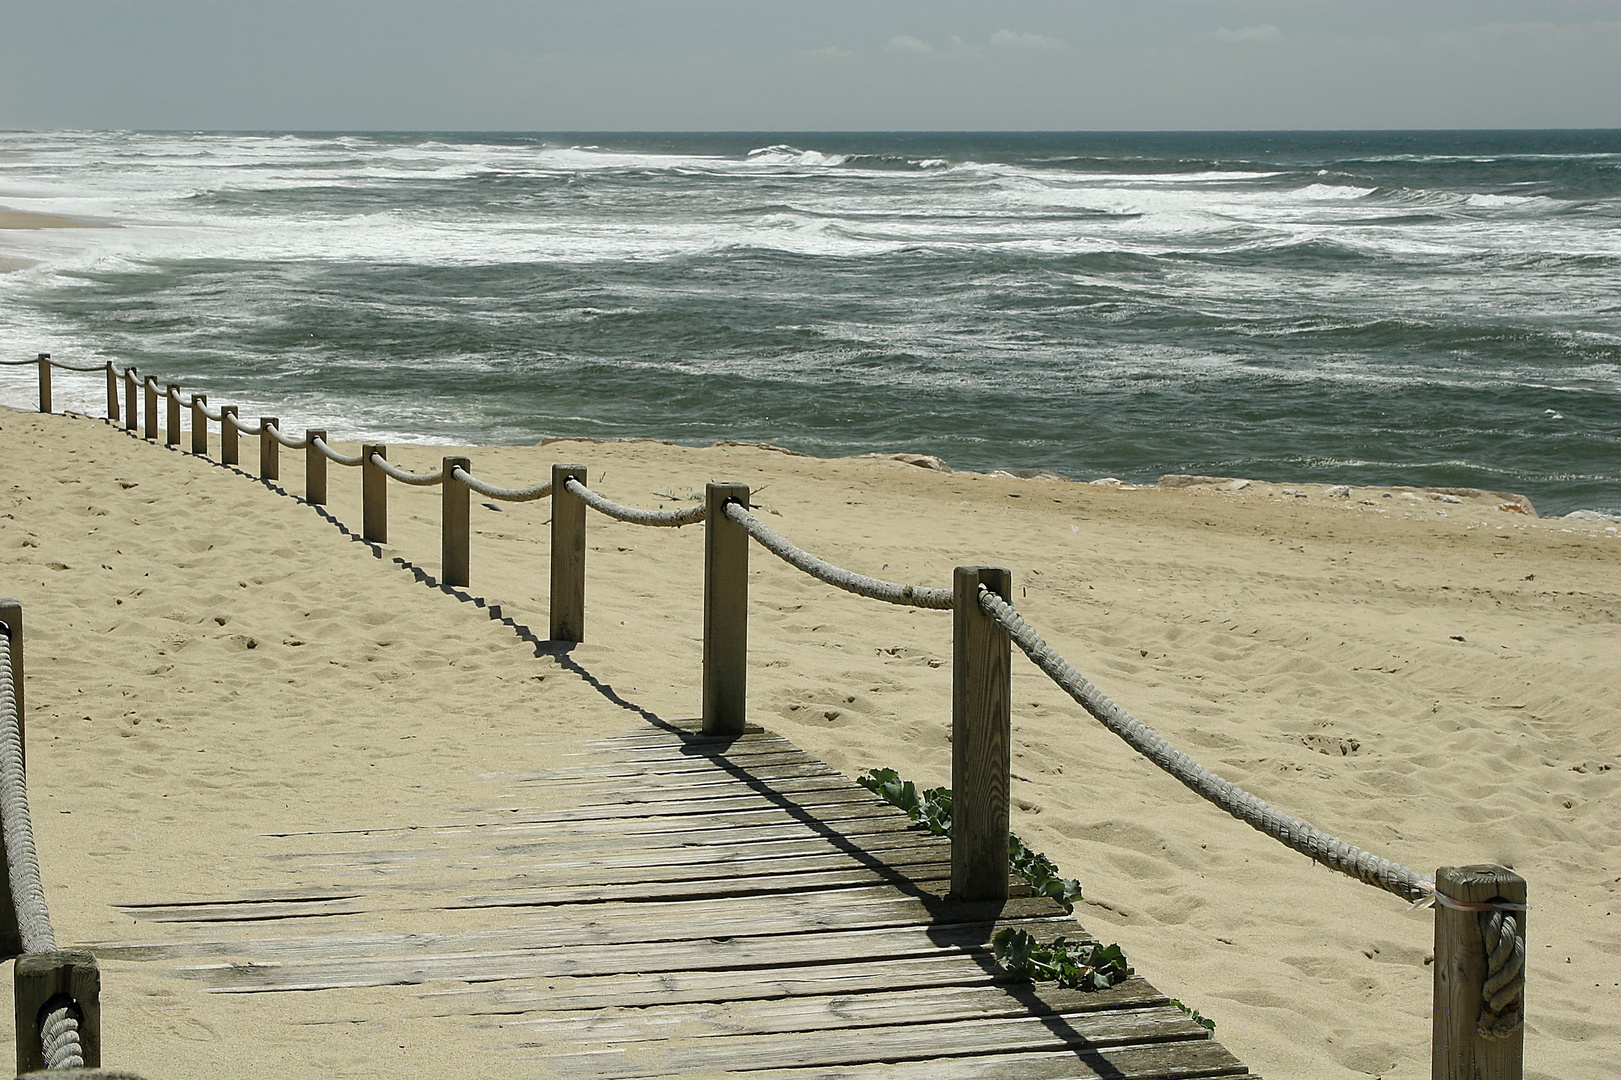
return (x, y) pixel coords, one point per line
(1437, 680)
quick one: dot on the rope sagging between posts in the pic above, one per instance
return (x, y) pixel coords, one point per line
(404, 476)
(529, 494)
(1311, 842)
(634, 515)
(351, 460)
(873, 588)
(59, 1030)
(257, 429)
(22, 859)
(291, 444)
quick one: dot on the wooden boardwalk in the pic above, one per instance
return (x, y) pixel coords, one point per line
(699, 907)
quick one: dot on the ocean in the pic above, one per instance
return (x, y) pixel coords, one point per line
(1422, 308)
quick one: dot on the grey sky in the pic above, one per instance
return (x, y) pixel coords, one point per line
(809, 64)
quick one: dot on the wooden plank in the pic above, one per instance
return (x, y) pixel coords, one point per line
(244, 910)
(412, 959)
(710, 887)
(885, 1045)
(884, 1005)
(1159, 1061)
(565, 996)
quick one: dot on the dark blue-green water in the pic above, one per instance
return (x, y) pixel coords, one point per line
(1418, 308)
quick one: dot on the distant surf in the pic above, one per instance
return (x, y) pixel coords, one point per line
(1426, 309)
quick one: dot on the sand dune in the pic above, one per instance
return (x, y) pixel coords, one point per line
(209, 660)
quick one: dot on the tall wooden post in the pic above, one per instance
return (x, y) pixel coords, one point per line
(112, 393)
(228, 452)
(171, 398)
(129, 401)
(981, 722)
(314, 467)
(199, 425)
(45, 980)
(568, 556)
(1458, 1051)
(726, 613)
(44, 382)
(373, 495)
(269, 449)
(455, 541)
(11, 624)
(151, 387)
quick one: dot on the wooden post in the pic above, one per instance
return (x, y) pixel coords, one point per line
(726, 613)
(1457, 1052)
(374, 494)
(199, 425)
(568, 556)
(44, 382)
(228, 452)
(45, 981)
(269, 449)
(129, 400)
(112, 393)
(980, 734)
(11, 624)
(455, 529)
(314, 467)
(150, 385)
(171, 399)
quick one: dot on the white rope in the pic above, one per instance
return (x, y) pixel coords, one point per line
(1291, 831)
(59, 1038)
(217, 417)
(341, 459)
(838, 577)
(636, 516)
(27, 892)
(1505, 975)
(529, 494)
(291, 444)
(257, 429)
(405, 477)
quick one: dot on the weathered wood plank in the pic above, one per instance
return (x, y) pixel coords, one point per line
(565, 996)
(479, 956)
(885, 1044)
(1159, 1061)
(877, 1007)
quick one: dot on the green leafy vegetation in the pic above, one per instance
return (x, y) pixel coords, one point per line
(1076, 965)
(1196, 1016)
(1072, 964)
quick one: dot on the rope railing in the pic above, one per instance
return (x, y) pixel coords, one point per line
(632, 514)
(67, 1026)
(256, 429)
(872, 588)
(1477, 908)
(405, 476)
(351, 460)
(1289, 831)
(490, 491)
(290, 443)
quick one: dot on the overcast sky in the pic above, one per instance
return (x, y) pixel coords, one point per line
(539, 65)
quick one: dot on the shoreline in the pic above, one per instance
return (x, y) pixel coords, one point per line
(1438, 692)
